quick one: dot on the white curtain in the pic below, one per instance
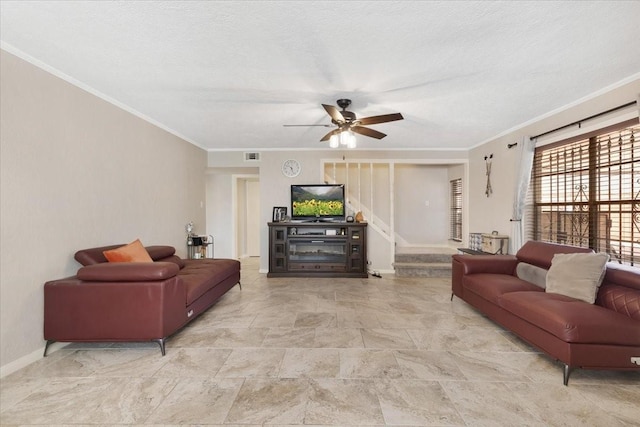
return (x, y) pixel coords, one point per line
(525, 162)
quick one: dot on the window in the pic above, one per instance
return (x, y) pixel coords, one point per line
(455, 232)
(587, 193)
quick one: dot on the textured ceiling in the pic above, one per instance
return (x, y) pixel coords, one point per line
(229, 75)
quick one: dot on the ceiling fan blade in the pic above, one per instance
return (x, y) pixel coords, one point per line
(368, 132)
(334, 113)
(330, 134)
(380, 119)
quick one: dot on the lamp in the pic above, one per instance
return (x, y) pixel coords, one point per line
(344, 137)
(351, 139)
(334, 141)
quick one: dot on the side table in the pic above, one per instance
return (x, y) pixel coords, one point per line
(200, 247)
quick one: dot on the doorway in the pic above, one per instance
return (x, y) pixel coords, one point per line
(247, 236)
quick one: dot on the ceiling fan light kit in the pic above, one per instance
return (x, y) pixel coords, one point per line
(334, 141)
(348, 124)
(345, 137)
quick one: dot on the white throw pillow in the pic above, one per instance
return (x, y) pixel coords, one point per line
(577, 275)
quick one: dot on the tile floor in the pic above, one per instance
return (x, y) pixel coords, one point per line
(389, 351)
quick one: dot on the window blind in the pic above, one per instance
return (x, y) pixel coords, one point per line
(587, 193)
(455, 232)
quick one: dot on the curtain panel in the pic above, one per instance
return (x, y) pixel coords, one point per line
(525, 162)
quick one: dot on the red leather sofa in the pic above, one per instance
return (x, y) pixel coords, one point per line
(133, 301)
(603, 335)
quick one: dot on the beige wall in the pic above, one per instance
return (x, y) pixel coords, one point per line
(275, 187)
(505, 161)
(416, 186)
(78, 172)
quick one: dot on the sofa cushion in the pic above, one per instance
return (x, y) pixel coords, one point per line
(127, 271)
(623, 275)
(532, 273)
(577, 275)
(199, 276)
(158, 252)
(572, 320)
(174, 259)
(620, 290)
(620, 299)
(541, 253)
(133, 252)
(93, 256)
(492, 286)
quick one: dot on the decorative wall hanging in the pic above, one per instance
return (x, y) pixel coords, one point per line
(487, 161)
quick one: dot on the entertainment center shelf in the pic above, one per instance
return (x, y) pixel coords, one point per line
(317, 249)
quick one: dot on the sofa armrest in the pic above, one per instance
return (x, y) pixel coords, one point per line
(81, 310)
(128, 271)
(462, 265)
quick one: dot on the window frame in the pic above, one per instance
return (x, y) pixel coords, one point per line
(595, 200)
(455, 210)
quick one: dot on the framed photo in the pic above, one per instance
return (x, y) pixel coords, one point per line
(279, 213)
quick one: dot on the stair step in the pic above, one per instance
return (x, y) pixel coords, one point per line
(420, 269)
(423, 258)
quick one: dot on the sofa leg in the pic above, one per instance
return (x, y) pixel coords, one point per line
(566, 372)
(451, 297)
(160, 342)
(240, 284)
(46, 347)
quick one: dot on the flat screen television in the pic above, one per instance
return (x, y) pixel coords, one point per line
(317, 202)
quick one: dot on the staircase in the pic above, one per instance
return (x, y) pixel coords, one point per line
(423, 262)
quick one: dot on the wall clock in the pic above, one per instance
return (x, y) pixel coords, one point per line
(291, 168)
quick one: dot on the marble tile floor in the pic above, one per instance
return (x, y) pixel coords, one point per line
(321, 352)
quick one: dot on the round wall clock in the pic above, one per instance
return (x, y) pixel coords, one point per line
(291, 168)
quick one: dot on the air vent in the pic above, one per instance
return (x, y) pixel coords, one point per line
(251, 157)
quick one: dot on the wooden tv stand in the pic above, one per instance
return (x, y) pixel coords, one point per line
(317, 249)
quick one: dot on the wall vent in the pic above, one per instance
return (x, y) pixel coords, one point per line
(251, 157)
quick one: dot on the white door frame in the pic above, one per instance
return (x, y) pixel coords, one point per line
(235, 180)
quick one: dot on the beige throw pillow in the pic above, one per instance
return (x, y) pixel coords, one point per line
(577, 275)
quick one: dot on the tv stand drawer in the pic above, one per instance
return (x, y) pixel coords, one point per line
(309, 266)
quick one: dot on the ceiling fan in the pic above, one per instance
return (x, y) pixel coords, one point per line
(347, 121)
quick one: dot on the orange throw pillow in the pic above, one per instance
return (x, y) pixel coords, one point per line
(133, 252)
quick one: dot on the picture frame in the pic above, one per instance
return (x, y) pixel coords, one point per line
(279, 213)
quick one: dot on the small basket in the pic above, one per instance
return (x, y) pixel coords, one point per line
(475, 241)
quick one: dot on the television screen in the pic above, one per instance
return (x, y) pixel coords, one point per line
(319, 201)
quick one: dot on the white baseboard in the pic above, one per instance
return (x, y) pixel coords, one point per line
(30, 358)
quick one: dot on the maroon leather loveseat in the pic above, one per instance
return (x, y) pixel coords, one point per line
(603, 335)
(133, 301)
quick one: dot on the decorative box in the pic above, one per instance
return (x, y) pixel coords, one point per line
(495, 244)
